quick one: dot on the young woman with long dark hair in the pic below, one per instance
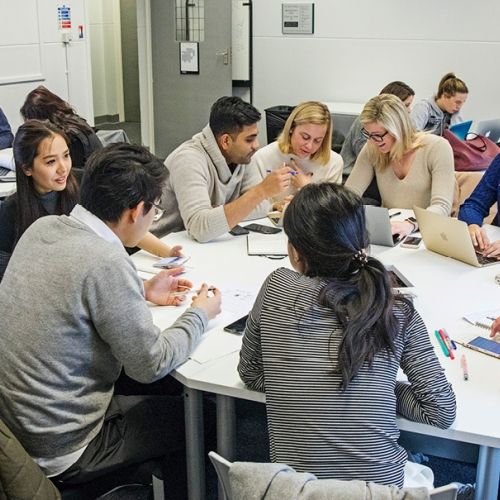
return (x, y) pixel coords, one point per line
(325, 342)
(46, 185)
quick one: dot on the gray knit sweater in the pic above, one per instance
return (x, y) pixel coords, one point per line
(73, 313)
(199, 184)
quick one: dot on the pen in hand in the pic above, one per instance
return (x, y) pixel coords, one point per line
(394, 214)
(188, 290)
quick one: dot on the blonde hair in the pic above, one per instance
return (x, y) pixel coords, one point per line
(304, 113)
(390, 112)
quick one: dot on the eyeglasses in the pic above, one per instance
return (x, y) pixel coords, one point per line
(374, 137)
(158, 212)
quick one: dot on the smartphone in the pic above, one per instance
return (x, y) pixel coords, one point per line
(259, 228)
(171, 262)
(238, 231)
(237, 327)
(411, 242)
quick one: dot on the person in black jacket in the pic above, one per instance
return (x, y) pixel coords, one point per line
(42, 104)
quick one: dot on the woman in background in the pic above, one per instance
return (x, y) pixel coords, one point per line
(324, 342)
(411, 168)
(42, 104)
(442, 110)
(46, 185)
(355, 140)
(305, 145)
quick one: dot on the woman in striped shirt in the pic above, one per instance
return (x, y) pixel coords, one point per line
(325, 342)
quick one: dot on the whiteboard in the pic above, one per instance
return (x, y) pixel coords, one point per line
(241, 39)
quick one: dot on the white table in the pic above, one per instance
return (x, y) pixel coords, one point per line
(446, 289)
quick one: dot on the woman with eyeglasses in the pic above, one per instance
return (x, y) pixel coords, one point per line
(46, 185)
(411, 168)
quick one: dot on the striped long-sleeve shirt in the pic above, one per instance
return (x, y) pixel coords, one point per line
(290, 350)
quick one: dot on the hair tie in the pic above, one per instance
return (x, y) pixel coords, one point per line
(361, 257)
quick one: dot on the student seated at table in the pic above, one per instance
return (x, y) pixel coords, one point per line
(305, 145)
(411, 168)
(475, 208)
(74, 313)
(42, 104)
(355, 140)
(324, 342)
(442, 110)
(46, 185)
(5, 132)
(211, 187)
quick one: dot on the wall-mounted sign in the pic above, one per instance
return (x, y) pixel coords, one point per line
(189, 58)
(64, 17)
(297, 18)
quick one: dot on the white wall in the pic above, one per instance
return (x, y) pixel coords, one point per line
(32, 54)
(361, 45)
(105, 43)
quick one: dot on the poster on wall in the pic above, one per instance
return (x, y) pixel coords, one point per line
(64, 17)
(189, 58)
(297, 18)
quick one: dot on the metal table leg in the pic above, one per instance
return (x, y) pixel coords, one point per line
(488, 473)
(226, 430)
(195, 451)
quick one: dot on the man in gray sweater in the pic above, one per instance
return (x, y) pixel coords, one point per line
(210, 187)
(74, 314)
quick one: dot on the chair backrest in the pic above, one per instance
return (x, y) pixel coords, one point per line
(447, 492)
(222, 467)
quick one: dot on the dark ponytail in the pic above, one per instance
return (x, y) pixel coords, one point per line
(325, 223)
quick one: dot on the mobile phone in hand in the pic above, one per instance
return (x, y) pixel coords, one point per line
(238, 231)
(259, 228)
(411, 242)
(237, 327)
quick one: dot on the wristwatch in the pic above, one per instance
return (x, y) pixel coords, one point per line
(413, 222)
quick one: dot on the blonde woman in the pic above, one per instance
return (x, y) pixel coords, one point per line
(442, 110)
(411, 168)
(305, 144)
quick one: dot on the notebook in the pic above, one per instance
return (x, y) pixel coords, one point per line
(378, 226)
(488, 128)
(273, 245)
(461, 129)
(449, 237)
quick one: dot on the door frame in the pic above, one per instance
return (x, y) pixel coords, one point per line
(145, 61)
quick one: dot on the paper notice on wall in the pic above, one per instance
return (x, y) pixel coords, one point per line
(64, 17)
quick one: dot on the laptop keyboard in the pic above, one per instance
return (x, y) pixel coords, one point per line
(485, 260)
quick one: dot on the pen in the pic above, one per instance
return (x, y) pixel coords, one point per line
(394, 214)
(293, 172)
(447, 341)
(442, 344)
(465, 368)
(188, 290)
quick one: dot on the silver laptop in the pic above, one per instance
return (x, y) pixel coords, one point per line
(488, 128)
(449, 237)
(378, 225)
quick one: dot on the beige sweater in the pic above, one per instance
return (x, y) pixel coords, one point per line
(430, 182)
